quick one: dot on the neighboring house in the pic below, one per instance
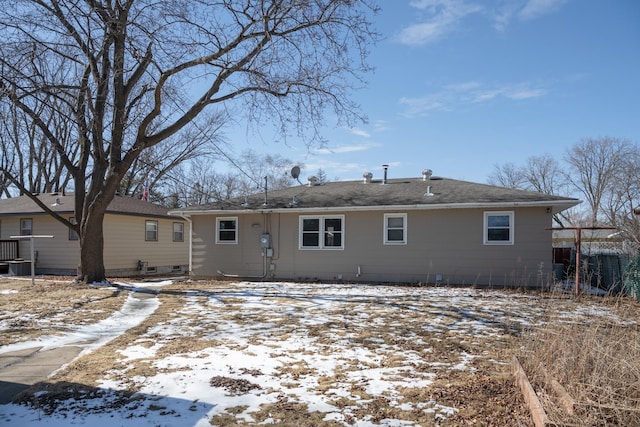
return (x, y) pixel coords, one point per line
(415, 230)
(139, 237)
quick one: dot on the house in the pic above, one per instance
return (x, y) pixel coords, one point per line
(415, 230)
(139, 237)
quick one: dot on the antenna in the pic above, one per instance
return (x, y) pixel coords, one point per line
(295, 173)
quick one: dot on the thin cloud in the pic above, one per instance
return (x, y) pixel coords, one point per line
(359, 132)
(524, 10)
(535, 8)
(345, 149)
(381, 126)
(442, 17)
(458, 96)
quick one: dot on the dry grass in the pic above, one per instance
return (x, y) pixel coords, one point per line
(23, 306)
(596, 362)
(416, 339)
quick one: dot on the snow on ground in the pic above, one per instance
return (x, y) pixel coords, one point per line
(329, 347)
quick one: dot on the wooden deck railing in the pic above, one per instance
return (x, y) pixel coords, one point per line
(9, 249)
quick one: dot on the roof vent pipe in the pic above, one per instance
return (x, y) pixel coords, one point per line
(429, 193)
(312, 181)
(384, 179)
(426, 174)
(367, 177)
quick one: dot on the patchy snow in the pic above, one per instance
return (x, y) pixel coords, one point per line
(133, 312)
(282, 340)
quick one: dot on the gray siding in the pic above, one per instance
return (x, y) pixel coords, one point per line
(441, 244)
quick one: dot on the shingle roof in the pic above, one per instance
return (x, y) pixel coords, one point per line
(375, 195)
(23, 205)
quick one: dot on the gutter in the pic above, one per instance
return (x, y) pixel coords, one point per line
(563, 204)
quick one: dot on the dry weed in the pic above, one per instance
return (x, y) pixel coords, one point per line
(597, 361)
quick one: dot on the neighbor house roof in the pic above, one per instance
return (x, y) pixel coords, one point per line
(409, 193)
(64, 204)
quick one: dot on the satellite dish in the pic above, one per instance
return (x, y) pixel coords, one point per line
(295, 172)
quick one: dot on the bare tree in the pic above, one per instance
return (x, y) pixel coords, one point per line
(133, 73)
(542, 174)
(624, 196)
(597, 169)
(508, 175)
(198, 183)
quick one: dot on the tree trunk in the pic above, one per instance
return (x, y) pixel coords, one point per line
(91, 268)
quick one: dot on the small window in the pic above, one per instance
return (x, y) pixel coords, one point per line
(178, 232)
(151, 231)
(72, 233)
(395, 229)
(322, 232)
(498, 228)
(227, 230)
(26, 226)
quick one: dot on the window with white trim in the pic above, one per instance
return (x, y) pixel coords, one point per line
(227, 230)
(151, 231)
(26, 226)
(178, 232)
(395, 229)
(498, 228)
(322, 232)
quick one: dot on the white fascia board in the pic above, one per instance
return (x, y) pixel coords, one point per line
(557, 205)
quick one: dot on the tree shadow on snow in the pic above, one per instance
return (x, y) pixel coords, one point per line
(74, 401)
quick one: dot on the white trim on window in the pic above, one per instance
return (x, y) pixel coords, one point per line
(26, 226)
(178, 232)
(395, 229)
(151, 231)
(498, 228)
(321, 232)
(227, 230)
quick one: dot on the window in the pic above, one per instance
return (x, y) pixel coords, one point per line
(395, 229)
(178, 232)
(227, 230)
(498, 228)
(26, 226)
(151, 231)
(322, 232)
(72, 234)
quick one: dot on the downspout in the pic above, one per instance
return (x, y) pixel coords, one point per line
(188, 219)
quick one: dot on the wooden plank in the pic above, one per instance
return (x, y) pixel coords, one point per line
(538, 414)
(566, 400)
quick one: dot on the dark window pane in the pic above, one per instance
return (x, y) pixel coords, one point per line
(498, 234)
(312, 224)
(310, 240)
(498, 221)
(333, 239)
(395, 222)
(227, 235)
(228, 224)
(333, 224)
(395, 235)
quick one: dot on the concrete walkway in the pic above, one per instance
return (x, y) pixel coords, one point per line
(21, 369)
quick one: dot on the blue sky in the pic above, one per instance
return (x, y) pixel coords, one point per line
(463, 85)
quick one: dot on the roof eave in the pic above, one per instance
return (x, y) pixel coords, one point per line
(555, 205)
